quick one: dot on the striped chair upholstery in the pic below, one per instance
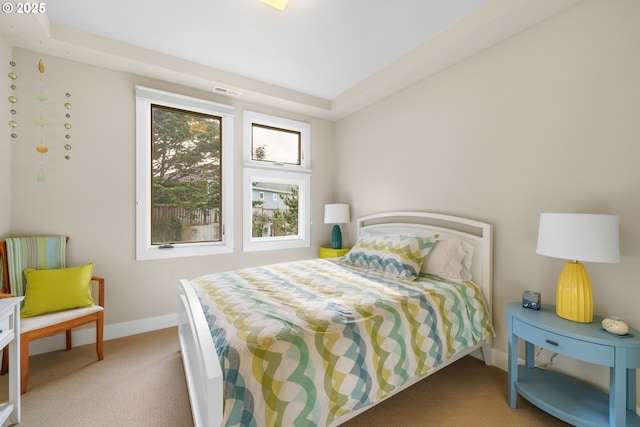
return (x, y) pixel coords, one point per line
(41, 253)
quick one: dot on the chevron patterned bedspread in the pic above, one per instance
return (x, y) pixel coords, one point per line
(303, 343)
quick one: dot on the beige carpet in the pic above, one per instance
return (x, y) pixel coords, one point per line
(141, 383)
(465, 394)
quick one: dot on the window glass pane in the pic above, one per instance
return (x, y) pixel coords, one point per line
(277, 215)
(277, 145)
(186, 176)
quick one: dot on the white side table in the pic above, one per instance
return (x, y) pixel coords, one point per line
(10, 335)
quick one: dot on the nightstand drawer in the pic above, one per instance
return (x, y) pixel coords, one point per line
(6, 331)
(571, 347)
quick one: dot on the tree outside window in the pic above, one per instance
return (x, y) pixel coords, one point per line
(186, 179)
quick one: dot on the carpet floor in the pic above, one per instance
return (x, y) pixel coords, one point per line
(141, 383)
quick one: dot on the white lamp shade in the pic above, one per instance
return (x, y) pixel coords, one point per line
(336, 213)
(579, 237)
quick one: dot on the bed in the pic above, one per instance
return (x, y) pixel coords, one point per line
(317, 342)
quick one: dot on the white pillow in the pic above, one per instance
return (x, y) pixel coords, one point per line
(451, 259)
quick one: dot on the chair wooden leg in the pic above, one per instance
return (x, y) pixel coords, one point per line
(5, 361)
(100, 335)
(69, 342)
(24, 364)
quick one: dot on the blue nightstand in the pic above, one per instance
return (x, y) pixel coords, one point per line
(567, 398)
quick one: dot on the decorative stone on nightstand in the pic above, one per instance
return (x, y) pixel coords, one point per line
(615, 325)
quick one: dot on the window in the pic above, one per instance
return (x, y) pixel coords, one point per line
(274, 145)
(276, 180)
(183, 164)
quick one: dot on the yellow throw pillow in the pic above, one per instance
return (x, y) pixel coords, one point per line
(48, 291)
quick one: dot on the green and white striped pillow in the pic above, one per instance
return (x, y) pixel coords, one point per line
(399, 255)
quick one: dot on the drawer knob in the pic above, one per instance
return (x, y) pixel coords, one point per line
(553, 343)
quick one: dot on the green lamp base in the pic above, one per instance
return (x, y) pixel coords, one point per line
(336, 237)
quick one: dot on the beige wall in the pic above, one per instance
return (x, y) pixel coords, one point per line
(5, 146)
(91, 197)
(546, 121)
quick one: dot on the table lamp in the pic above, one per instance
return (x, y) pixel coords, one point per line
(336, 214)
(578, 237)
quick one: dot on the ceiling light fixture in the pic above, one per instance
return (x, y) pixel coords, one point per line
(278, 4)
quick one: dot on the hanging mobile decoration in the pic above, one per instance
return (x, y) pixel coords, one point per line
(13, 124)
(41, 122)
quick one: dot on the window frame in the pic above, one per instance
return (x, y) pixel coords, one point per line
(261, 170)
(145, 98)
(280, 129)
(265, 120)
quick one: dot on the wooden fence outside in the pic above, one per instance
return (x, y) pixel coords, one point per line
(186, 216)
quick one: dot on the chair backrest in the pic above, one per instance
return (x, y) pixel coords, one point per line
(39, 252)
(4, 283)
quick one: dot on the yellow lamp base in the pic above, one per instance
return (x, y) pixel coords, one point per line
(574, 300)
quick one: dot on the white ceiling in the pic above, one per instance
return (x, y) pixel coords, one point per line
(323, 57)
(318, 47)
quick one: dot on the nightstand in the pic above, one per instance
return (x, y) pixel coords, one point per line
(565, 397)
(10, 336)
(332, 253)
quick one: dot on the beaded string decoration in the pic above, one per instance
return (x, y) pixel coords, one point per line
(67, 121)
(67, 125)
(41, 122)
(13, 100)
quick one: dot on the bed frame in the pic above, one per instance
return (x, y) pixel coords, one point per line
(201, 366)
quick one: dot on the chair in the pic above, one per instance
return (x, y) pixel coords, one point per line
(44, 254)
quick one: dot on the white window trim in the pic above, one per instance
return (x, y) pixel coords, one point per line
(303, 181)
(276, 172)
(144, 250)
(250, 117)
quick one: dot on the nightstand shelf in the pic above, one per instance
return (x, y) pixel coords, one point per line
(565, 397)
(326, 252)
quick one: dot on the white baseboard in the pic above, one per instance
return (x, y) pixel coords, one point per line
(500, 359)
(118, 330)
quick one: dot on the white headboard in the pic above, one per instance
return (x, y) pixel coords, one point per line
(479, 234)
